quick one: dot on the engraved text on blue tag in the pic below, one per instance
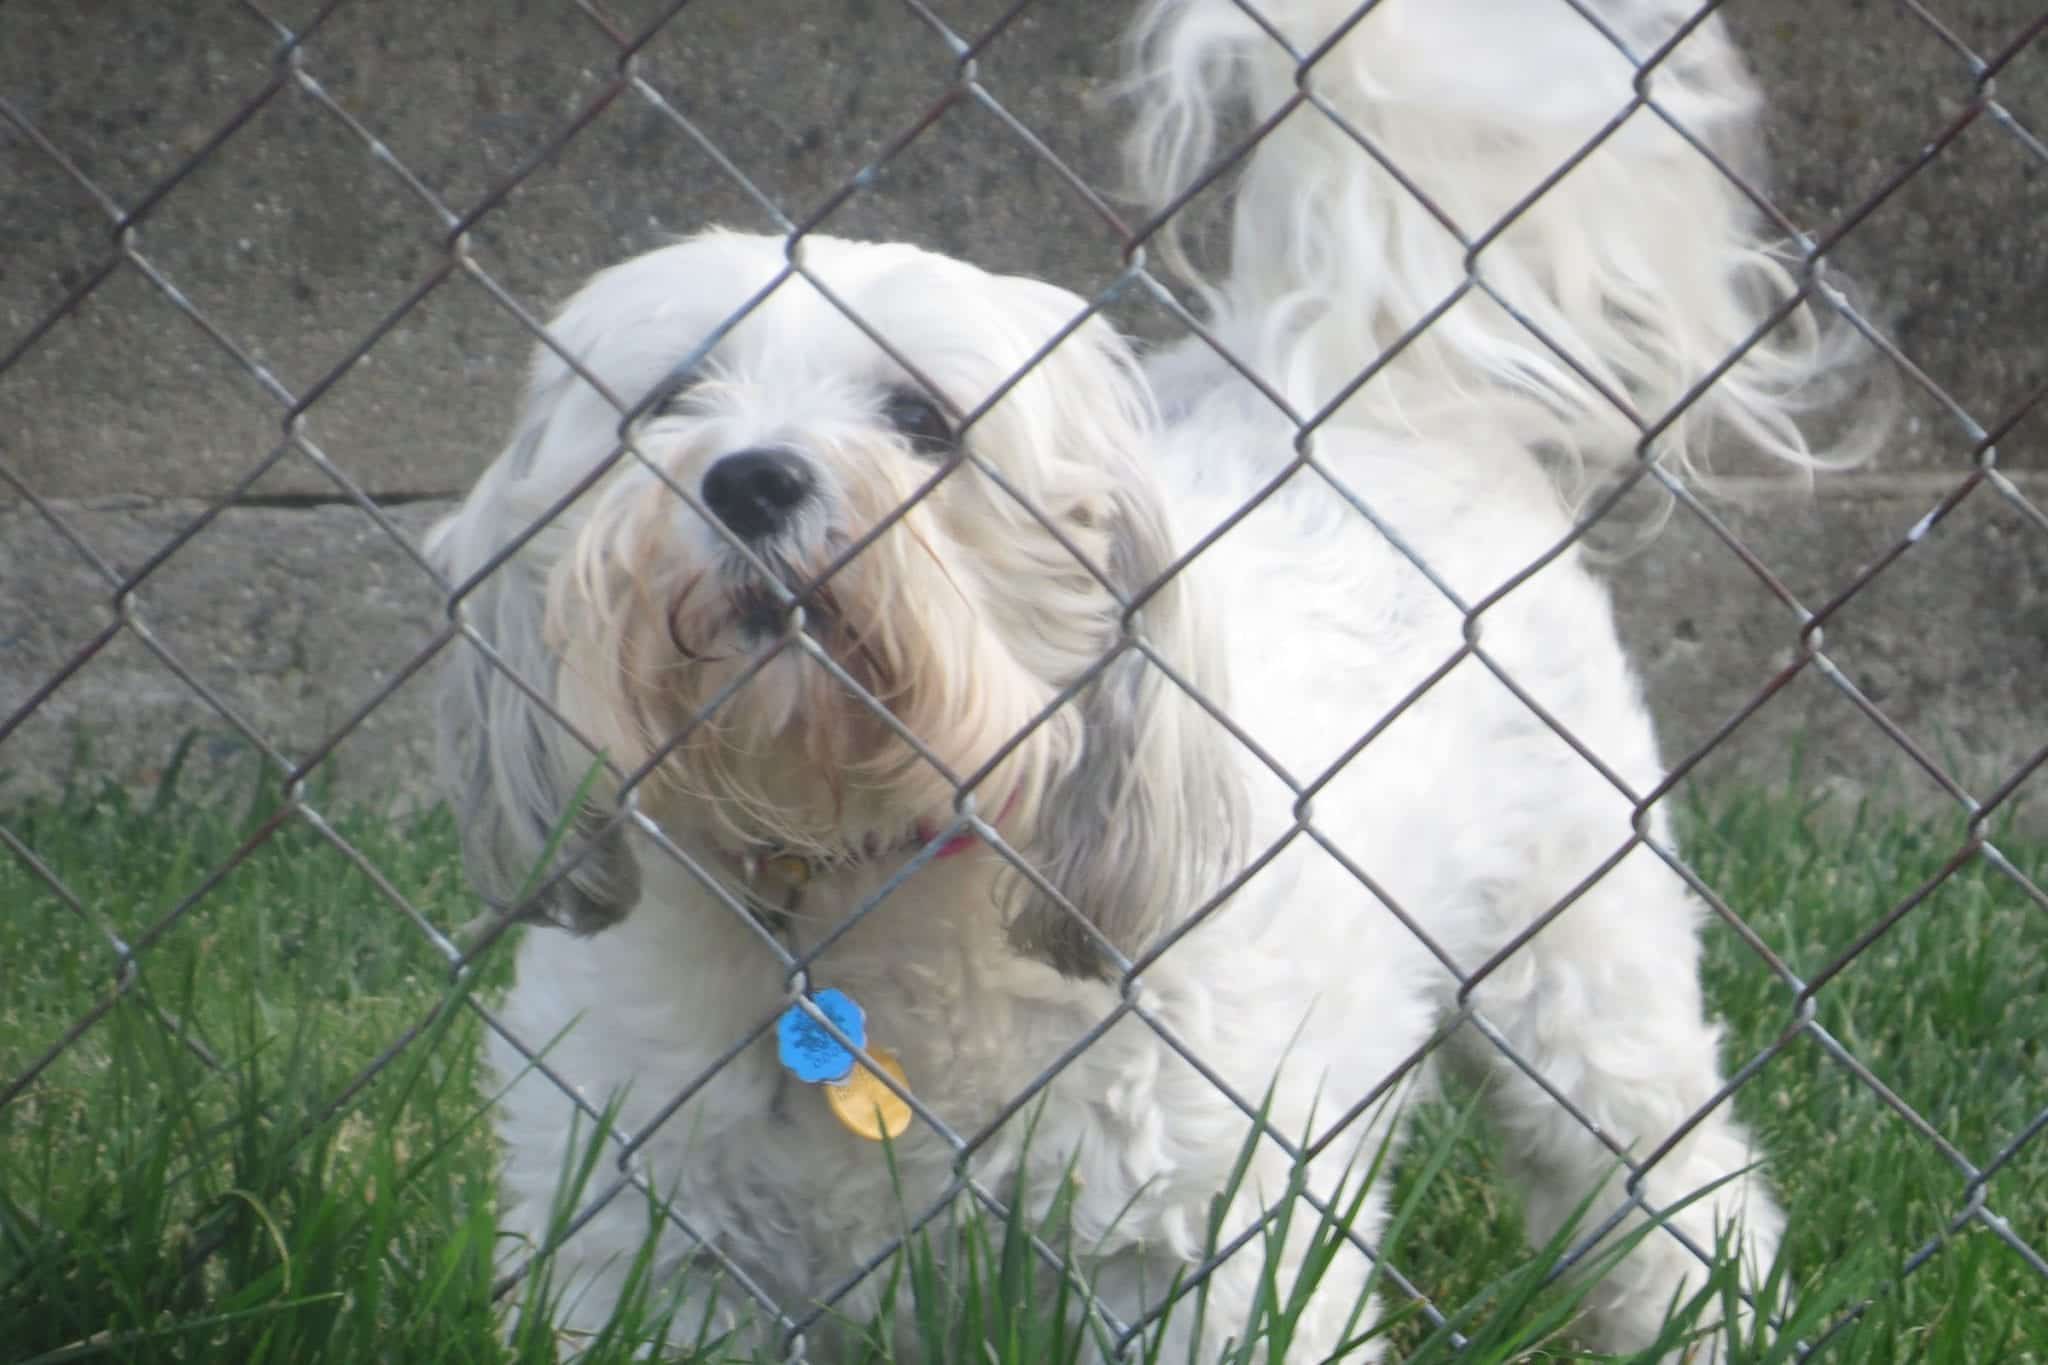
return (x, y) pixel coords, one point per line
(810, 1053)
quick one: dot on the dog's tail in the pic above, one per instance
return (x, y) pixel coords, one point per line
(1525, 203)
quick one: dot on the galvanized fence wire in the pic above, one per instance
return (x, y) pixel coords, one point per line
(295, 75)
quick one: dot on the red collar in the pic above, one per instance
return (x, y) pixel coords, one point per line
(967, 838)
(798, 869)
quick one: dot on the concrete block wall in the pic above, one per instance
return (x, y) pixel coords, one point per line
(291, 292)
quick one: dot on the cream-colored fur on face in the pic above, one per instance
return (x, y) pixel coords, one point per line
(1006, 610)
(797, 757)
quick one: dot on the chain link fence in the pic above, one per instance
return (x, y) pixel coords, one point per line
(461, 219)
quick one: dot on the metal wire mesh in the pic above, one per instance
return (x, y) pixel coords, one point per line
(964, 65)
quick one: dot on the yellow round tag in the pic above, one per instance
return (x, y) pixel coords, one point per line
(865, 1105)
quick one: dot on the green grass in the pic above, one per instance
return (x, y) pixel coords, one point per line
(153, 1208)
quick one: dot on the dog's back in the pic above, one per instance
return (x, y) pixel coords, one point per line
(1479, 258)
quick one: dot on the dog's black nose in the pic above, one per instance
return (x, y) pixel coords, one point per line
(756, 492)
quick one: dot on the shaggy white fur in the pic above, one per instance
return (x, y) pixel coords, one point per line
(807, 557)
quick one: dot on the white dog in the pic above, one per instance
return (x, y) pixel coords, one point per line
(1070, 713)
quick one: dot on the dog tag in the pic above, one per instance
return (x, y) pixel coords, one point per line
(813, 1055)
(865, 1105)
(791, 869)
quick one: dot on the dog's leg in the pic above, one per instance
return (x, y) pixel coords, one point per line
(1604, 1004)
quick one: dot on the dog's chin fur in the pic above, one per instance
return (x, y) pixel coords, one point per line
(999, 636)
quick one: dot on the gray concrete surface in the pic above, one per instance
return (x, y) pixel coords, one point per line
(296, 244)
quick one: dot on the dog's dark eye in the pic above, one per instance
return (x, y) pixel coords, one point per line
(921, 422)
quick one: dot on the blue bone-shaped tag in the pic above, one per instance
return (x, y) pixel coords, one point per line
(813, 1055)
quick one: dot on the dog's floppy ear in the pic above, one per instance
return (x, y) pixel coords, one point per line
(1149, 821)
(513, 771)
